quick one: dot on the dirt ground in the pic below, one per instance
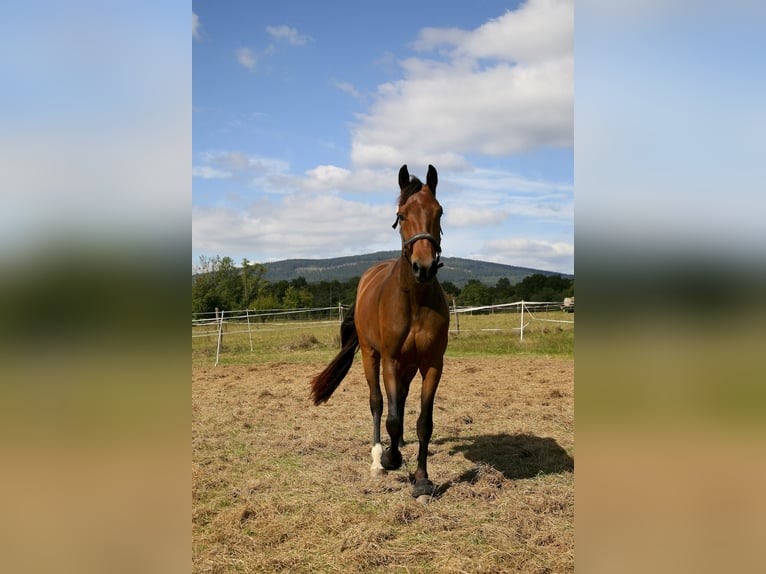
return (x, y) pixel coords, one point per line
(281, 485)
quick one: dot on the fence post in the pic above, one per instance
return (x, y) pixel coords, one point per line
(522, 321)
(249, 333)
(340, 311)
(457, 319)
(220, 334)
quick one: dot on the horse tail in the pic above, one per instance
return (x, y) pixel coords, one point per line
(325, 383)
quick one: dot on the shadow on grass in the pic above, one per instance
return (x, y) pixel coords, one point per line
(515, 456)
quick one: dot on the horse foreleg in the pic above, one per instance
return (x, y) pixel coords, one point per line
(423, 486)
(392, 457)
(372, 373)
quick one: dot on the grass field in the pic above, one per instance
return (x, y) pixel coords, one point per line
(279, 485)
(299, 341)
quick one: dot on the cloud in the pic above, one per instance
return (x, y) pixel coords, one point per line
(328, 176)
(252, 172)
(482, 208)
(207, 172)
(196, 34)
(244, 163)
(538, 31)
(348, 88)
(249, 58)
(482, 192)
(467, 217)
(288, 34)
(503, 88)
(278, 228)
(246, 58)
(535, 253)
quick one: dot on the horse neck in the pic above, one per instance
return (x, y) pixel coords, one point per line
(418, 293)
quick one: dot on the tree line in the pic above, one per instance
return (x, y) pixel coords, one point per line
(219, 282)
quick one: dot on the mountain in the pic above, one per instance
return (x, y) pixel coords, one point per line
(456, 269)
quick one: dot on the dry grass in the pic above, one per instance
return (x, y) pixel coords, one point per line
(283, 486)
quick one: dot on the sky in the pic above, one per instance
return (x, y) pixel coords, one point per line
(303, 113)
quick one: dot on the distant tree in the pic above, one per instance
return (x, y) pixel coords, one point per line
(229, 284)
(215, 285)
(295, 298)
(348, 291)
(220, 283)
(299, 282)
(252, 281)
(264, 301)
(278, 289)
(540, 287)
(503, 291)
(450, 288)
(474, 293)
(529, 285)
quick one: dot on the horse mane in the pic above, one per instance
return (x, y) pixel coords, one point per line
(414, 186)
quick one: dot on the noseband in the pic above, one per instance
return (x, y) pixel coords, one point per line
(418, 237)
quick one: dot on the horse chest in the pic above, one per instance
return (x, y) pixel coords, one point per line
(418, 338)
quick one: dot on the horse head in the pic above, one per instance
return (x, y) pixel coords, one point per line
(419, 219)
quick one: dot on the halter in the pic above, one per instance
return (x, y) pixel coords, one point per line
(418, 237)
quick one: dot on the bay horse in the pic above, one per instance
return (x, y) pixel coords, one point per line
(401, 321)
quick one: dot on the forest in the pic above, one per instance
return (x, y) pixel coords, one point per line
(219, 282)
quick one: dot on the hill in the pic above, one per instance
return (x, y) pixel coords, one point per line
(456, 269)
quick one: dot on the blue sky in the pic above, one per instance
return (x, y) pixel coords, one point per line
(303, 113)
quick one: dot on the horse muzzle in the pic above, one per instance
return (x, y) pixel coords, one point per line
(424, 269)
(426, 273)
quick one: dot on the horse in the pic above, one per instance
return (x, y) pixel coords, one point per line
(400, 321)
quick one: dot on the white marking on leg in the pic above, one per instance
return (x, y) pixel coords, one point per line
(376, 468)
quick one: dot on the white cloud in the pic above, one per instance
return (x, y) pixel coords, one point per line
(503, 88)
(195, 27)
(338, 179)
(479, 205)
(293, 226)
(207, 172)
(288, 34)
(506, 195)
(536, 31)
(244, 164)
(327, 176)
(246, 58)
(535, 253)
(467, 217)
(348, 88)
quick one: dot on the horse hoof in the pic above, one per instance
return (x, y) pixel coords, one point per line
(377, 472)
(424, 498)
(390, 463)
(423, 488)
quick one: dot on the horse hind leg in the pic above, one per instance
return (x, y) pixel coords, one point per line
(407, 377)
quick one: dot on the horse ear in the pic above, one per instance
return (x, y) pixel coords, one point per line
(432, 179)
(404, 177)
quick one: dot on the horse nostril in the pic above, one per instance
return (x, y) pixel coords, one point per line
(415, 268)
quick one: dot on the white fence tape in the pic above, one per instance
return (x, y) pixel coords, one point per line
(274, 319)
